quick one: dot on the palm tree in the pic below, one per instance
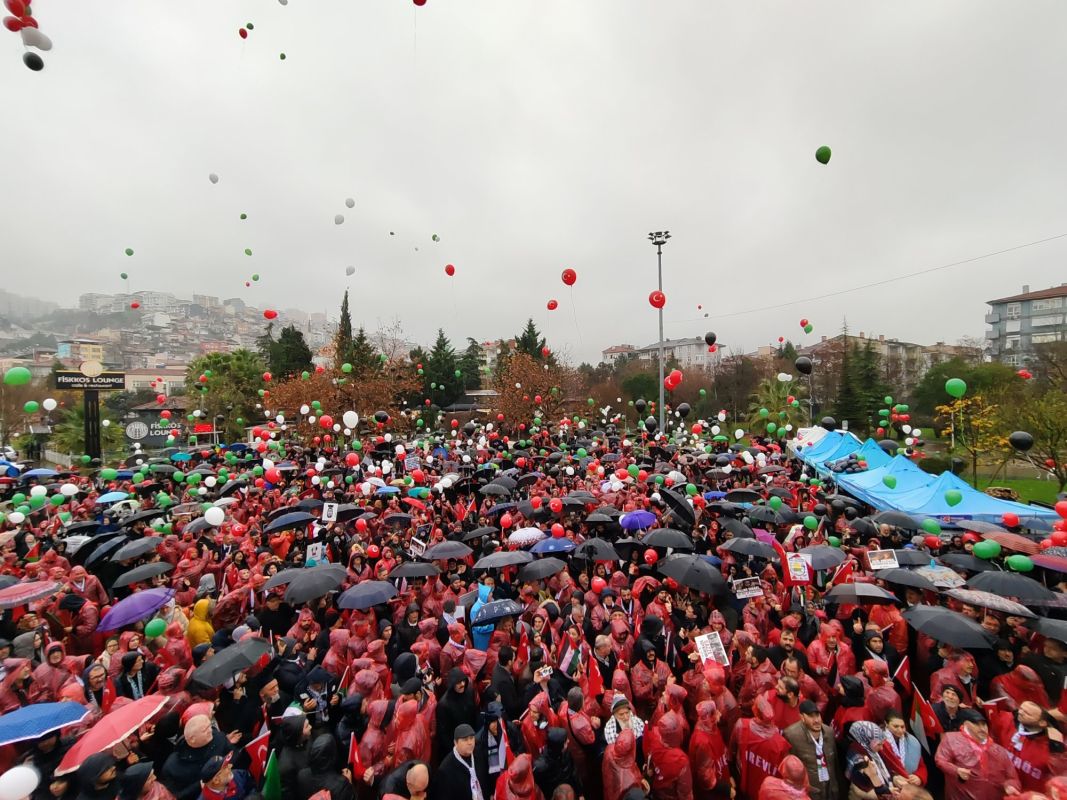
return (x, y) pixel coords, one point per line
(68, 435)
(770, 405)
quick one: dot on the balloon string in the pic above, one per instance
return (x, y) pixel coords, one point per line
(574, 311)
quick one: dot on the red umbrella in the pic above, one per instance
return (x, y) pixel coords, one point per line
(112, 729)
(1013, 541)
(411, 501)
(1054, 563)
(21, 593)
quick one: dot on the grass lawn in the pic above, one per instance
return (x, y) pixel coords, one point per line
(1028, 488)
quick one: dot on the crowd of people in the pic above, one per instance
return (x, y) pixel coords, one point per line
(475, 619)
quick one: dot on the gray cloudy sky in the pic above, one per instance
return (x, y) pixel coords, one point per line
(537, 135)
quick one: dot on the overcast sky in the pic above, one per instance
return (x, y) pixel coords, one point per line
(537, 135)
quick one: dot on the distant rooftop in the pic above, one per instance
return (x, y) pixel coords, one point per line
(1041, 294)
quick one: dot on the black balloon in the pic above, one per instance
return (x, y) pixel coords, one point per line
(819, 510)
(851, 512)
(829, 423)
(710, 338)
(683, 410)
(651, 424)
(1021, 441)
(640, 405)
(381, 416)
(470, 428)
(958, 466)
(33, 61)
(803, 365)
(838, 506)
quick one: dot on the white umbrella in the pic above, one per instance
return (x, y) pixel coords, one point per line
(526, 536)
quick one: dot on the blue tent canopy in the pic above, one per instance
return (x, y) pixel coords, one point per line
(869, 452)
(824, 446)
(869, 486)
(930, 501)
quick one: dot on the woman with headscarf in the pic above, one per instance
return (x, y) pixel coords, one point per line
(455, 707)
(707, 753)
(97, 778)
(16, 689)
(138, 676)
(866, 771)
(30, 645)
(619, 769)
(791, 782)
(902, 753)
(200, 629)
(140, 783)
(51, 676)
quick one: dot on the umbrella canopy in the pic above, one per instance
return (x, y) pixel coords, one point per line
(135, 608)
(142, 516)
(111, 497)
(366, 594)
(597, 518)
(541, 569)
(553, 545)
(907, 577)
(1051, 628)
(978, 526)
(446, 550)
(737, 529)
(496, 610)
(397, 520)
(896, 519)
(742, 496)
(21, 593)
(990, 600)
(494, 490)
(112, 729)
(941, 577)
(668, 537)
(1014, 541)
(34, 721)
(232, 486)
(230, 660)
(39, 473)
(1053, 563)
(947, 626)
(860, 594)
(504, 558)
(824, 557)
(680, 508)
(765, 514)
(966, 561)
(137, 548)
(524, 537)
(750, 547)
(415, 569)
(637, 520)
(290, 575)
(309, 504)
(1010, 584)
(143, 573)
(596, 549)
(314, 582)
(294, 519)
(694, 572)
(478, 533)
(912, 558)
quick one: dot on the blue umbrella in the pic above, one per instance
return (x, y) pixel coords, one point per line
(237, 446)
(112, 497)
(135, 608)
(714, 495)
(637, 520)
(40, 473)
(181, 457)
(124, 474)
(10, 470)
(34, 721)
(553, 545)
(388, 490)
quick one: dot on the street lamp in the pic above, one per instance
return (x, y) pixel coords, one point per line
(659, 238)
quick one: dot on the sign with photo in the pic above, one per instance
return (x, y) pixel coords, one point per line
(710, 648)
(747, 587)
(882, 559)
(329, 512)
(799, 567)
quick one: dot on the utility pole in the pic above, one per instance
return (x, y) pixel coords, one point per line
(659, 238)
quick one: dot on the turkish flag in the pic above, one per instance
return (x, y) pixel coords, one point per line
(523, 653)
(595, 687)
(257, 751)
(844, 573)
(353, 758)
(903, 673)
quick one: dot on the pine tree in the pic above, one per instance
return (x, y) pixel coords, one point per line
(342, 341)
(440, 368)
(849, 404)
(471, 364)
(530, 341)
(362, 356)
(869, 386)
(289, 355)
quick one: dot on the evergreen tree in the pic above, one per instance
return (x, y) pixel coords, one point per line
(265, 342)
(342, 341)
(290, 354)
(440, 368)
(849, 405)
(530, 341)
(362, 356)
(787, 351)
(869, 387)
(471, 364)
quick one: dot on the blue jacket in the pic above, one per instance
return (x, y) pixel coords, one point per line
(482, 633)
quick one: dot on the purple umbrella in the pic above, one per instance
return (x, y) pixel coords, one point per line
(135, 608)
(637, 520)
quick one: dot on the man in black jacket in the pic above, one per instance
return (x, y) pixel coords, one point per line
(494, 740)
(456, 777)
(200, 741)
(410, 780)
(503, 684)
(455, 708)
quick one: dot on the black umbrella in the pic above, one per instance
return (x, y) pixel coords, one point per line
(596, 518)
(609, 511)
(694, 572)
(863, 526)
(281, 511)
(81, 528)
(313, 582)
(367, 594)
(137, 548)
(99, 540)
(1050, 628)
(625, 547)
(738, 529)
(232, 486)
(504, 558)
(143, 573)
(765, 514)
(750, 547)
(445, 550)
(668, 537)
(494, 490)
(496, 610)
(198, 525)
(165, 469)
(773, 469)
(913, 558)
(742, 496)
(978, 526)
(1010, 584)
(103, 553)
(415, 569)
(966, 561)
(541, 569)
(860, 594)
(905, 577)
(679, 506)
(290, 575)
(596, 550)
(230, 660)
(347, 511)
(896, 519)
(947, 626)
(309, 504)
(398, 519)
(478, 533)
(981, 599)
(142, 516)
(295, 519)
(780, 491)
(824, 557)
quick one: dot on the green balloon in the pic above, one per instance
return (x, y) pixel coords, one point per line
(315, 404)
(890, 481)
(703, 392)
(1019, 563)
(987, 549)
(775, 502)
(771, 428)
(305, 375)
(138, 477)
(244, 216)
(887, 400)
(57, 500)
(810, 522)
(956, 387)
(129, 251)
(346, 368)
(459, 373)
(809, 328)
(177, 477)
(31, 407)
(17, 376)
(37, 501)
(822, 155)
(123, 275)
(834, 541)
(690, 490)
(281, 56)
(248, 251)
(108, 474)
(155, 628)
(764, 413)
(953, 497)
(932, 526)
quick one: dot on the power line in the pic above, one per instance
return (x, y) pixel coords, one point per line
(878, 283)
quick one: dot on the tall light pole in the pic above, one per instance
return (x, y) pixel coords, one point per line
(659, 238)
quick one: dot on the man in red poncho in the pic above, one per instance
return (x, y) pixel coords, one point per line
(975, 767)
(672, 775)
(789, 783)
(1034, 744)
(757, 747)
(881, 696)
(707, 755)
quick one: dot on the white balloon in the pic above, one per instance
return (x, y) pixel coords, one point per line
(466, 459)
(304, 409)
(210, 481)
(49, 404)
(616, 486)
(350, 202)
(388, 437)
(214, 516)
(38, 491)
(739, 434)
(68, 490)
(213, 178)
(280, 419)
(311, 419)
(337, 427)
(338, 219)
(906, 429)
(329, 484)
(315, 480)
(350, 270)
(365, 488)
(106, 423)
(350, 419)
(387, 467)
(197, 413)
(347, 432)
(569, 471)
(268, 464)
(784, 377)
(400, 449)
(31, 37)
(19, 782)
(788, 427)
(727, 469)
(16, 517)
(715, 430)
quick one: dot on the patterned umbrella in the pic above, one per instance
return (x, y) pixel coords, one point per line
(990, 600)
(1010, 584)
(1054, 563)
(524, 537)
(34, 721)
(941, 577)
(1014, 541)
(22, 593)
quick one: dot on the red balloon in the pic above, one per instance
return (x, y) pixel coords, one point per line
(545, 352)
(698, 428)
(351, 459)
(599, 584)
(931, 541)
(1045, 544)
(657, 299)
(320, 369)
(270, 313)
(13, 24)
(325, 421)
(1059, 538)
(781, 339)
(243, 33)
(266, 377)
(16, 7)
(1061, 508)
(273, 475)
(450, 270)
(569, 276)
(1010, 519)
(558, 531)
(651, 556)
(555, 505)
(552, 305)
(419, 3)
(28, 22)
(165, 414)
(676, 375)
(373, 551)
(537, 399)
(803, 323)
(135, 305)
(506, 521)
(418, 475)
